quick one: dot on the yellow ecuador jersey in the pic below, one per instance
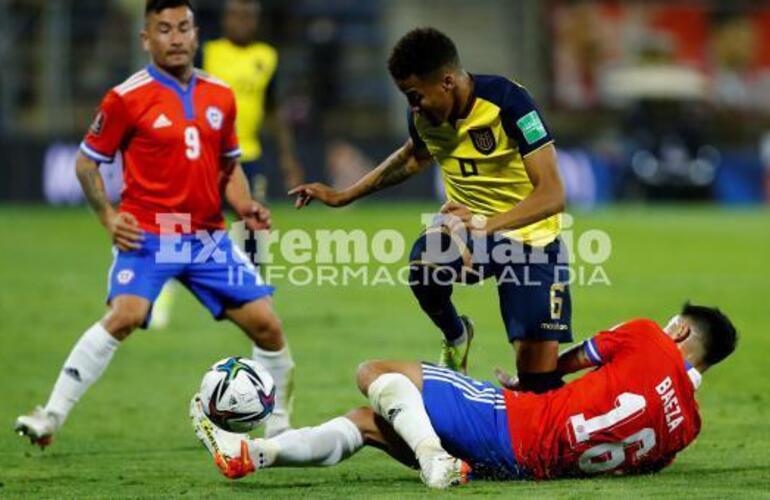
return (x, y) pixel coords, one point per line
(481, 155)
(249, 71)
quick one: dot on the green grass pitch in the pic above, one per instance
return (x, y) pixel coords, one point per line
(130, 435)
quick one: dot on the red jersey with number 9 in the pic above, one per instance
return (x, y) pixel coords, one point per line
(173, 141)
(632, 414)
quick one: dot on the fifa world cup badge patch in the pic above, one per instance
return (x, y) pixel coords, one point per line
(531, 127)
(98, 124)
(483, 139)
(214, 117)
(125, 276)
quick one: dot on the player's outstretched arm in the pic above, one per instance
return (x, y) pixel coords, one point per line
(123, 227)
(399, 166)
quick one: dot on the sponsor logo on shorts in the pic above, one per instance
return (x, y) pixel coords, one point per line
(553, 326)
(125, 276)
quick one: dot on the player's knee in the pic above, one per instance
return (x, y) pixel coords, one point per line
(121, 321)
(363, 418)
(266, 326)
(367, 372)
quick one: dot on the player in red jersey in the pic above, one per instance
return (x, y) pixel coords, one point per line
(174, 126)
(631, 414)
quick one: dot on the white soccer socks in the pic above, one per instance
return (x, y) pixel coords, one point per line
(327, 444)
(85, 364)
(394, 397)
(281, 368)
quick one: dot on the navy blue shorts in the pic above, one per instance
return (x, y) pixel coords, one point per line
(217, 272)
(532, 282)
(253, 168)
(469, 417)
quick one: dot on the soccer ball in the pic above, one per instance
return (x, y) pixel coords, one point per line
(237, 394)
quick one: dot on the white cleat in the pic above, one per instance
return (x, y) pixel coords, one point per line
(39, 426)
(440, 470)
(230, 450)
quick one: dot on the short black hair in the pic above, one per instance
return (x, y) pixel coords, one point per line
(156, 6)
(421, 52)
(719, 334)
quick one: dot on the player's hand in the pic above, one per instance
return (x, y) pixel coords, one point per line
(125, 231)
(458, 210)
(507, 380)
(256, 217)
(459, 216)
(306, 193)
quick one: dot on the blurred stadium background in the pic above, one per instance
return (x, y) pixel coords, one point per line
(647, 100)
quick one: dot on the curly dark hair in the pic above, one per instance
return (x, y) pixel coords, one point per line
(421, 52)
(156, 6)
(719, 334)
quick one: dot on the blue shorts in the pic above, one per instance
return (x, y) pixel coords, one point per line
(532, 283)
(216, 271)
(253, 168)
(469, 417)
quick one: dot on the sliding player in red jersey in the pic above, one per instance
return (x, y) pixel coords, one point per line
(175, 127)
(632, 413)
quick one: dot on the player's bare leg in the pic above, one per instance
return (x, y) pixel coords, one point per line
(260, 323)
(85, 364)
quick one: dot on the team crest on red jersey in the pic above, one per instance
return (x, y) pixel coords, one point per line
(214, 116)
(483, 139)
(98, 124)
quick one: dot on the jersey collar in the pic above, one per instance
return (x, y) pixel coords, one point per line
(466, 111)
(185, 95)
(694, 374)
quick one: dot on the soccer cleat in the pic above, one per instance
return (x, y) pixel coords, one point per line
(230, 451)
(38, 427)
(440, 470)
(456, 357)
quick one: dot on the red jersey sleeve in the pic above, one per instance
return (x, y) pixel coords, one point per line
(230, 148)
(602, 347)
(108, 130)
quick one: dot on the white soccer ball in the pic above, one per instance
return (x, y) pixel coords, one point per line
(237, 394)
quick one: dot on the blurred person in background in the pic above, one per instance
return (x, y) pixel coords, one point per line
(249, 67)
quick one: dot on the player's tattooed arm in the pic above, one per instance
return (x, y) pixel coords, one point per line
(123, 227)
(91, 181)
(399, 166)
